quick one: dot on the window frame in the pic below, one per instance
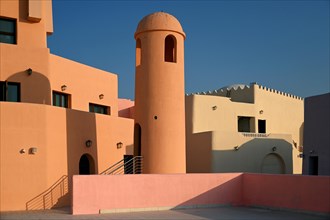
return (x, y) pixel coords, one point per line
(65, 95)
(104, 107)
(12, 34)
(5, 94)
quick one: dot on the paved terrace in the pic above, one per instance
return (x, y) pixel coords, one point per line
(228, 213)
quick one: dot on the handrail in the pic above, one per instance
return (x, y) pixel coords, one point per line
(247, 134)
(132, 166)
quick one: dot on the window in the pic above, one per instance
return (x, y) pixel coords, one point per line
(170, 49)
(61, 99)
(262, 126)
(245, 124)
(10, 91)
(138, 52)
(101, 109)
(7, 31)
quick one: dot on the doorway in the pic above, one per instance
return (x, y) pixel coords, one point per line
(86, 165)
(273, 164)
(262, 126)
(313, 165)
(137, 140)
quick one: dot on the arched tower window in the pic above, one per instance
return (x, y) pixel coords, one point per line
(170, 49)
(138, 52)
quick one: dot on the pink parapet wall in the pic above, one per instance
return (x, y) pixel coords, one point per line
(126, 108)
(122, 193)
(94, 194)
(296, 192)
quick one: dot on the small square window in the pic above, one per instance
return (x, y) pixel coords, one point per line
(61, 99)
(101, 109)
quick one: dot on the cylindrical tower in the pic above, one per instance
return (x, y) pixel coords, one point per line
(159, 131)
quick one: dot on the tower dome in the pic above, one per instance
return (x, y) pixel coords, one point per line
(160, 21)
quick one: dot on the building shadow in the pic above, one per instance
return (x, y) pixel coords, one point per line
(255, 156)
(81, 144)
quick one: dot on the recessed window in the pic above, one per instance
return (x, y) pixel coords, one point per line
(101, 109)
(7, 31)
(10, 91)
(245, 124)
(61, 99)
(138, 52)
(262, 126)
(170, 49)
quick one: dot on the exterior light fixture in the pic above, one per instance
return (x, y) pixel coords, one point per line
(33, 150)
(119, 145)
(236, 148)
(214, 108)
(22, 151)
(274, 149)
(101, 96)
(29, 71)
(261, 112)
(63, 87)
(88, 143)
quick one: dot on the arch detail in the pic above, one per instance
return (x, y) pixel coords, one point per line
(273, 164)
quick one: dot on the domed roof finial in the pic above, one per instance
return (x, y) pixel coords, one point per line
(159, 21)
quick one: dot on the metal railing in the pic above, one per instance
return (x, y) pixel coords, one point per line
(131, 166)
(255, 135)
(51, 197)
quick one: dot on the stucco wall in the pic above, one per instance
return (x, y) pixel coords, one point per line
(316, 133)
(124, 193)
(59, 135)
(212, 131)
(287, 191)
(107, 193)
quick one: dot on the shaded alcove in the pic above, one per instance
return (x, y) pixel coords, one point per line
(35, 87)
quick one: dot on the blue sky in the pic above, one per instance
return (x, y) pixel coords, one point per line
(283, 45)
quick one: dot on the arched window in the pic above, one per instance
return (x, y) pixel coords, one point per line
(138, 52)
(170, 49)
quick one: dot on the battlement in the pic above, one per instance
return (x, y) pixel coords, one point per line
(279, 92)
(242, 92)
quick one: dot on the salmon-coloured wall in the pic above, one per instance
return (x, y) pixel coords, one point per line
(94, 194)
(84, 84)
(59, 135)
(308, 193)
(126, 108)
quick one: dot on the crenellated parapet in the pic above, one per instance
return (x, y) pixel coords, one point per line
(243, 93)
(278, 92)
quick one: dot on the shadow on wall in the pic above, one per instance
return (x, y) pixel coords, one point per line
(55, 196)
(301, 134)
(81, 144)
(199, 158)
(260, 155)
(228, 192)
(35, 88)
(129, 149)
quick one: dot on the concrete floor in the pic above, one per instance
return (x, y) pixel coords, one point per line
(241, 213)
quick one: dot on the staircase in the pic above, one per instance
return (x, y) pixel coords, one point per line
(131, 166)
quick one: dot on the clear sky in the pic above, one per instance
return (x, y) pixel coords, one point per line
(280, 44)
